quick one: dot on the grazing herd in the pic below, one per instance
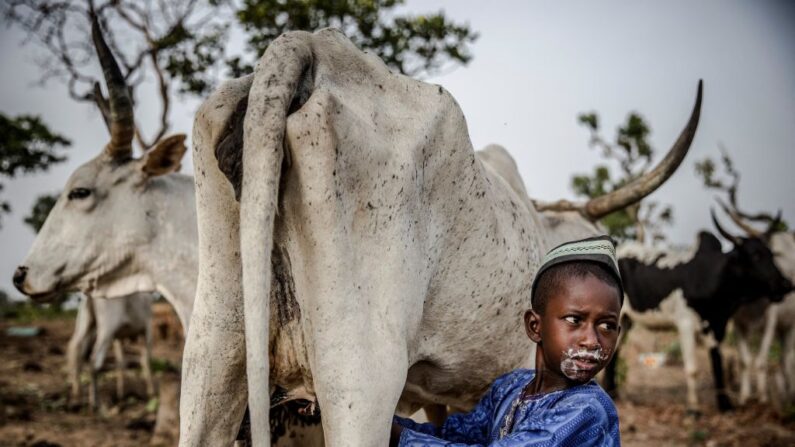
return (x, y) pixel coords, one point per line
(341, 219)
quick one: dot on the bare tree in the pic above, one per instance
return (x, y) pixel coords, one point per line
(180, 45)
(169, 41)
(728, 183)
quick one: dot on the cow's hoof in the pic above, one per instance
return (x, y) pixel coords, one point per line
(724, 404)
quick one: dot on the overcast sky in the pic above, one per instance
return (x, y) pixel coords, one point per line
(536, 66)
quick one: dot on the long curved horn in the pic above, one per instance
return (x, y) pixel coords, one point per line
(749, 230)
(728, 236)
(122, 126)
(636, 190)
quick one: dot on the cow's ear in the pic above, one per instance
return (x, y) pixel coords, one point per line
(166, 157)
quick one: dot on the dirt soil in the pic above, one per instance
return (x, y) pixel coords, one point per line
(35, 411)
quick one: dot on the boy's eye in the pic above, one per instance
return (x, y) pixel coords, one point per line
(572, 319)
(606, 326)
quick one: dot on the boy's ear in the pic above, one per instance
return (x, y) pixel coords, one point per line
(532, 325)
(164, 158)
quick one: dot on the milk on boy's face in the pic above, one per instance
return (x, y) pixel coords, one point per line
(583, 364)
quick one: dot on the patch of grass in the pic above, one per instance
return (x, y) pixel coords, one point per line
(775, 352)
(788, 414)
(152, 405)
(621, 371)
(673, 353)
(27, 312)
(698, 436)
(163, 365)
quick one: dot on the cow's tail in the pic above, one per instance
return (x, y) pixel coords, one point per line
(278, 78)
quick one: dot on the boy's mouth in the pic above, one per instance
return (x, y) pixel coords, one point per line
(585, 362)
(582, 364)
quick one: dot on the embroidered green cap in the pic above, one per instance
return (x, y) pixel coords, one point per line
(598, 249)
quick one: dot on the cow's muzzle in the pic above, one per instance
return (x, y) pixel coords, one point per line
(784, 288)
(19, 278)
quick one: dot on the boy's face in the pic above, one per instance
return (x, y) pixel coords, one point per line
(578, 331)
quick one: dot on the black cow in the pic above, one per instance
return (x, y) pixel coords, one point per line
(693, 291)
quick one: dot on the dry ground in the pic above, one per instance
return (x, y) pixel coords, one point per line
(34, 410)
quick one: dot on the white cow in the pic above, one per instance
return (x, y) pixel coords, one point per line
(99, 324)
(122, 226)
(405, 262)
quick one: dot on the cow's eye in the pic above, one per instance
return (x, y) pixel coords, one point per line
(79, 193)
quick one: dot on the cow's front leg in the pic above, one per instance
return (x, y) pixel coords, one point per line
(77, 348)
(687, 338)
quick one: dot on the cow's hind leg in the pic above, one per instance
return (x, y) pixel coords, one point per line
(146, 362)
(358, 353)
(213, 396)
(357, 398)
(746, 360)
(118, 350)
(760, 362)
(788, 361)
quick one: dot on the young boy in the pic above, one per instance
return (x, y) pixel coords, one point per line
(576, 298)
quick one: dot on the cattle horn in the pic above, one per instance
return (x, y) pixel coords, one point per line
(749, 230)
(728, 236)
(122, 127)
(636, 190)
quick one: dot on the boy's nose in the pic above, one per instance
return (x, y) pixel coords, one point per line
(589, 339)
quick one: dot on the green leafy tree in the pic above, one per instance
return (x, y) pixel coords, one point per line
(728, 183)
(40, 210)
(27, 145)
(412, 44)
(181, 44)
(633, 155)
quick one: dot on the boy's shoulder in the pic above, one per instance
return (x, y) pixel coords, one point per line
(510, 381)
(589, 395)
(517, 376)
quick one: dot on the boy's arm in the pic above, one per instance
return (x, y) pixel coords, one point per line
(468, 428)
(582, 424)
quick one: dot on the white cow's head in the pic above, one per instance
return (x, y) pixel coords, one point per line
(105, 209)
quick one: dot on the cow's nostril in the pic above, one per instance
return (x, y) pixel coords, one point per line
(19, 276)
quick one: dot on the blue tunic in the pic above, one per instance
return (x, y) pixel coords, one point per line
(583, 415)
